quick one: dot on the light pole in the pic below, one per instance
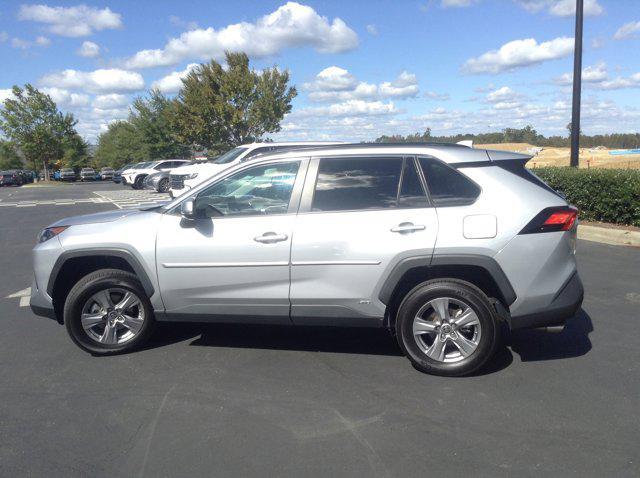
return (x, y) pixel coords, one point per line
(577, 87)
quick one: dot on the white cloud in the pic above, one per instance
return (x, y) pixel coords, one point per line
(337, 84)
(504, 94)
(42, 41)
(591, 74)
(352, 108)
(627, 30)
(65, 99)
(291, 25)
(620, 83)
(179, 22)
(519, 53)
(20, 44)
(372, 30)
(457, 3)
(433, 95)
(89, 49)
(562, 8)
(77, 21)
(110, 101)
(99, 81)
(5, 94)
(173, 81)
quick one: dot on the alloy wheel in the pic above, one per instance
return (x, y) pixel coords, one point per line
(112, 316)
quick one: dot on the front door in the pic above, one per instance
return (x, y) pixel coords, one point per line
(233, 261)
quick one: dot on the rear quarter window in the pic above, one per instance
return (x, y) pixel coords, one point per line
(447, 186)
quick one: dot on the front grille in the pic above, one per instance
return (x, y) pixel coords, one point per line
(177, 181)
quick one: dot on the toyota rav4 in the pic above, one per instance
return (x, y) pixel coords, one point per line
(444, 245)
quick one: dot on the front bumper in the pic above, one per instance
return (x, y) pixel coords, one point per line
(41, 304)
(564, 306)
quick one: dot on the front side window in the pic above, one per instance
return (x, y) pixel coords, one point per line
(356, 184)
(447, 186)
(260, 190)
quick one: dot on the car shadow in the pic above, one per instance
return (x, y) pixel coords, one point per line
(538, 344)
(530, 345)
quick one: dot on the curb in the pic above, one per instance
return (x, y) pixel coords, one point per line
(605, 235)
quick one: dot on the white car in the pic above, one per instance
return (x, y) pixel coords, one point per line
(134, 176)
(190, 176)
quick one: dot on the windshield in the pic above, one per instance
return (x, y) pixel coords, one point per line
(66, 170)
(229, 156)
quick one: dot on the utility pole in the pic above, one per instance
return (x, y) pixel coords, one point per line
(577, 86)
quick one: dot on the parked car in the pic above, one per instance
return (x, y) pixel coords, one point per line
(87, 174)
(442, 244)
(106, 174)
(117, 175)
(160, 181)
(27, 176)
(67, 174)
(10, 178)
(135, 176)
(189, 177)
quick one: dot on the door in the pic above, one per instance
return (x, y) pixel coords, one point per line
(357, 220)
(234, 260)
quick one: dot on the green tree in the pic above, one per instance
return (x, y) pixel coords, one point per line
(9, 158)
(74, 152)
(119, 145)
(150, 118)
(228, 106)
(33, 122)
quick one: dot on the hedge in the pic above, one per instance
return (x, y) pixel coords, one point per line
(605, 195)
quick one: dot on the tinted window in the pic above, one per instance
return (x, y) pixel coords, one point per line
(257, 151)
(263, 189)
(360, 183)
(411, 192)
(447, 186)
(229, 156)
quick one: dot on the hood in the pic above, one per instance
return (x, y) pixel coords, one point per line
(106, 216)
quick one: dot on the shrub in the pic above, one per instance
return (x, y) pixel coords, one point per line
(606, 195)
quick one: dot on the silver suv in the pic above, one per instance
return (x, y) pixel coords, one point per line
(441, 244)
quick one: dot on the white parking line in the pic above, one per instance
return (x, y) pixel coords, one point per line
(23, 294)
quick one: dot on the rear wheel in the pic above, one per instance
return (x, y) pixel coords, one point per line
(447, 327)
(164, 186)
(108, 312)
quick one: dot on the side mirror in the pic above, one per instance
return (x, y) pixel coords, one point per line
(187, 208)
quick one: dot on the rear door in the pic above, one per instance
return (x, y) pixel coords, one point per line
(358, 217)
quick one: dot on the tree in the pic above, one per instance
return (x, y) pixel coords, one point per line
(230, 105)
(9, 158)
(32, 121)
(74, 151)
(119, 145)
(150, 118)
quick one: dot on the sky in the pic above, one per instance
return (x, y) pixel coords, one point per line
(361, 68)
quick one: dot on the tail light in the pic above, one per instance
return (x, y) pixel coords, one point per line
(552, 219)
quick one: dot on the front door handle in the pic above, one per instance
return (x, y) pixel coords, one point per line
(271, 237)
(408, 227)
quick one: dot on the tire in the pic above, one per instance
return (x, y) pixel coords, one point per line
(164, 186)
(457, 346)
(137, 183)
(90, 325)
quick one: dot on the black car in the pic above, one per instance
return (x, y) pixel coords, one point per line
(11, 178)
(67, 174)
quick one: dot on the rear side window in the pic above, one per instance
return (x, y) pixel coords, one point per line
(355, 184)
(447, 186)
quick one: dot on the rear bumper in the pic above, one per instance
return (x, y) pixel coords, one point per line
(564, 306)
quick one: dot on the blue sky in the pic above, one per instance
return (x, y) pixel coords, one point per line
(362, 68)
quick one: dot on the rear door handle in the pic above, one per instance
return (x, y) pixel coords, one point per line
(270, 238)
(408, 227)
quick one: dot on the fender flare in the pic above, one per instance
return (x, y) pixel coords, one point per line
(487, 263)
(124, 254)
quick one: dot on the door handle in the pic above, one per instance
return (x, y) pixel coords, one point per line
(270, 238)
(408, 227)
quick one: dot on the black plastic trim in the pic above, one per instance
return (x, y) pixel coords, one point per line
(125, 254)
(487, 263)
(47, 312)
(564, 306)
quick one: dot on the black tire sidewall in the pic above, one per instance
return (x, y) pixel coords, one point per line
(88, 286)
(456, 290)
(163, 185)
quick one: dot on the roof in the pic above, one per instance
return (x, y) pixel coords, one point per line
(449, 153)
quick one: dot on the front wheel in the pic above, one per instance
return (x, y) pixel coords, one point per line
(447, 327)
(108, 312)
(138, 182)
(164, 186)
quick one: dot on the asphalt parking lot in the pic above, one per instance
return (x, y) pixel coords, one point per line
(255, 401)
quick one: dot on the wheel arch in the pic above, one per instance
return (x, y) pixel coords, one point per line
(482, 271)
(72, 265)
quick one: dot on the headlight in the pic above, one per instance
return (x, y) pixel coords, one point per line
(192, 176)
(50, 232)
